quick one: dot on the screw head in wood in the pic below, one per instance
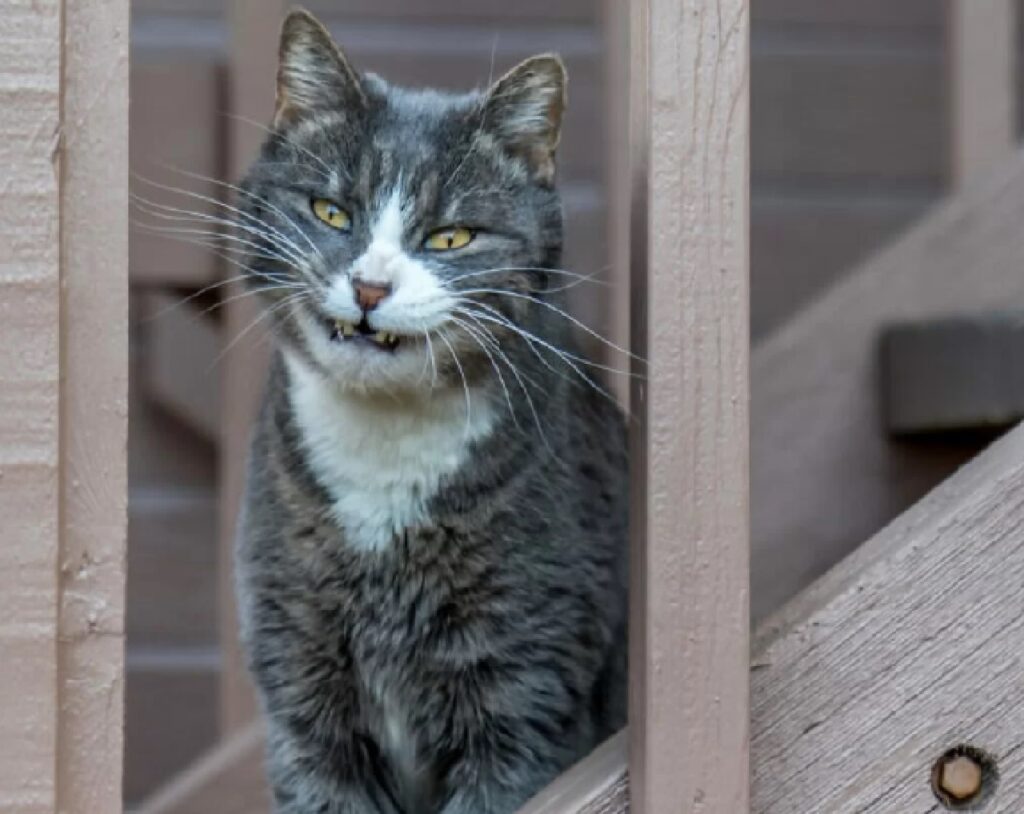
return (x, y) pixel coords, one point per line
(964, 778)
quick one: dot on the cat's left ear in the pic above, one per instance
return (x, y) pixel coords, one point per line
(524, 111)
(313, 74)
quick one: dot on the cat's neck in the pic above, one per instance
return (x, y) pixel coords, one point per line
(381, 458)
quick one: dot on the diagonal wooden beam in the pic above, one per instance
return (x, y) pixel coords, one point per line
(908, 648)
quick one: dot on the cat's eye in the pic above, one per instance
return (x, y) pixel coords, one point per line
(331, 214)
(446, 240)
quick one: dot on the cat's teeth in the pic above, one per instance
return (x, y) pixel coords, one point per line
(345, 328)
(382, 337)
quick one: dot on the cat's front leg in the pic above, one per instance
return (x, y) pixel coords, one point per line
(511, 737)
(309, 779)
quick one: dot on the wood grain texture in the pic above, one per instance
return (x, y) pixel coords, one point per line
(94, 408)
(30, 96)
(689, 615)
(909, 647)
(596, 785)
(982, 82)
(824, 476)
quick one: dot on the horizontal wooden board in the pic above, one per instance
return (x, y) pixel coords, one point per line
(874, 117)
(162, 453)
(909, 647)
(171, 718)
(800, 245)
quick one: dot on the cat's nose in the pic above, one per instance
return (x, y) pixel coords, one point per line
(369, 295)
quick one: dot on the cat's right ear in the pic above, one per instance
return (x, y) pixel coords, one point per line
(313, 75)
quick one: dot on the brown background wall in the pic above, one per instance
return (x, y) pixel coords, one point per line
(849, 145)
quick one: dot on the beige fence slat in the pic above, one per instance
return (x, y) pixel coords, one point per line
(983, 87)
(94, 366)
(30, 165)
(253, 67)
(909, 647)
(689, 634)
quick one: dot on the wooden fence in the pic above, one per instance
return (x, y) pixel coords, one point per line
(907, 650)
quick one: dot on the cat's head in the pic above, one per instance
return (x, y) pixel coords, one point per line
(402, 236)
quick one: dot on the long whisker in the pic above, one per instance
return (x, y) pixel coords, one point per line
(531, 339)
(253, 197)
(501, 379)
(582, 278)
(515, 372)
(557, 310)
(264, 314)
(560, 351)
(194, 295)
(462, 375)
(265, 229)
(284, 138)
(209, 240)
(174, 213)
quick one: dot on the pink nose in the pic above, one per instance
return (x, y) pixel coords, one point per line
(369, 295)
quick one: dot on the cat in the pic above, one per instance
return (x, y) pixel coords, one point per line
(431, 564)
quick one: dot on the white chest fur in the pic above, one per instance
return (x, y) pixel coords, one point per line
(381, 458)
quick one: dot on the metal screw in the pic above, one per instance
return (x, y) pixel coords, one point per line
(964, 778)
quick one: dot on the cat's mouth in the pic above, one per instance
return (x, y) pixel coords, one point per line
(342, 331)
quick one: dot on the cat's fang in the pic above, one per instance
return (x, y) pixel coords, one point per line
(342, 328)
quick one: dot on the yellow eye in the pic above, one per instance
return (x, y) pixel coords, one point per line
(331, 214)
(446, 240)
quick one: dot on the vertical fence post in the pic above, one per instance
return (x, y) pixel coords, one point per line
(983, 87)
(252, 68)
(63, 403)
(94, 405)
(689, 644)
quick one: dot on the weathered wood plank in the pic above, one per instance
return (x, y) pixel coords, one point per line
(824, 476)
(94, 410)
(30, 166)
(688, 620)
(982, 82)
(596, 785)
(909, 647)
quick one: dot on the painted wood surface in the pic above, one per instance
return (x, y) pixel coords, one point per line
(30, 165)
(911, 646)
(94, 405)
(689, 592)
(982, 86)
(63, 244)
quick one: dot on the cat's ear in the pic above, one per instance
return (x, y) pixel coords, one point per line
(313, 74)
(524, 111)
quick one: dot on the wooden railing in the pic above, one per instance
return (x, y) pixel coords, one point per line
(906, 650)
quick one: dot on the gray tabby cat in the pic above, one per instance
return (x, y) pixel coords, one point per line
(432, 562)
